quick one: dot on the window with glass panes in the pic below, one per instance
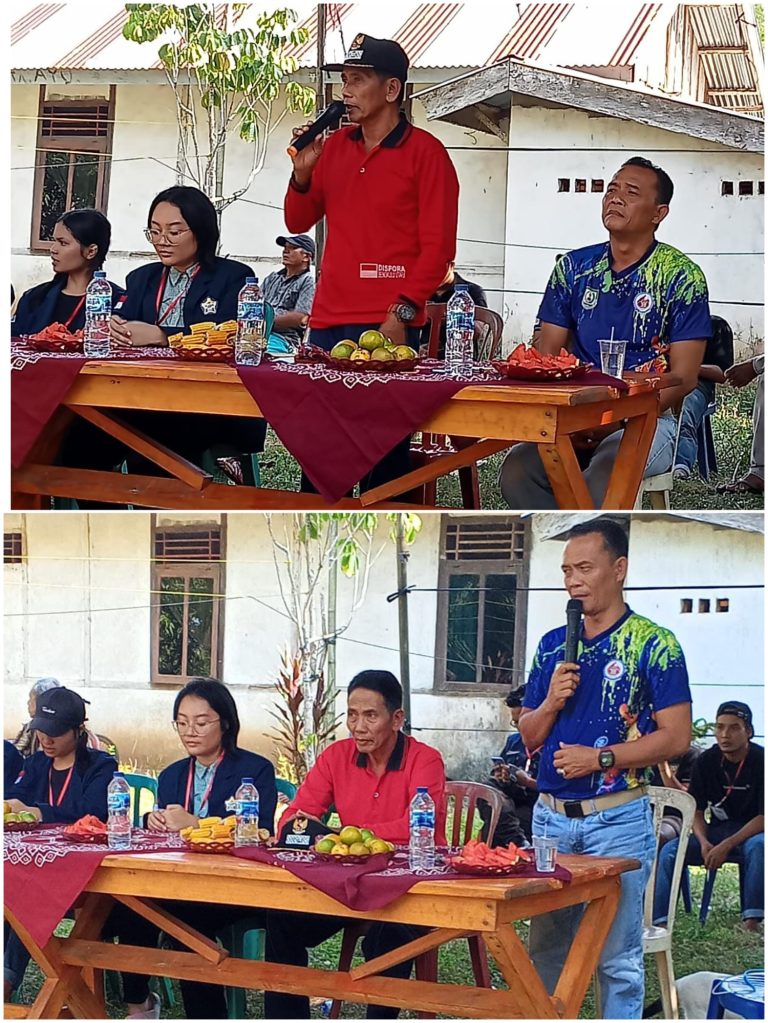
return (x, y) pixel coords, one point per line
(482, 602)
(187, 603)
(74, 145)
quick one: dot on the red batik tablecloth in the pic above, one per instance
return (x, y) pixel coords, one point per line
(44, 874)
(368, 885)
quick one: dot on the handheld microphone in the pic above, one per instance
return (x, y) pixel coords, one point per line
(573, 612)
(331, 113)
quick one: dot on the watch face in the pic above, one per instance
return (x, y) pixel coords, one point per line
(405, 312)
(607, 759)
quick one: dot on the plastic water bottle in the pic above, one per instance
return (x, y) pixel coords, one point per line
(460, 333)
(247, 829)
(250, 341)
(119, 810)
(98, 310)
(421, 849)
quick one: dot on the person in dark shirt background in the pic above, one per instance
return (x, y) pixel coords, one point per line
(444, 293)
(727, 781)
(514, 774)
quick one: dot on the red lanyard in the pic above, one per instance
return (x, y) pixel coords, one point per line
(161, 291)
(78, 307)
(206, 794)
(732, 785)
(64, 787)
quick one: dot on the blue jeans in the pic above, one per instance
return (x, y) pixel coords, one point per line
(622, 831)
(695, 405)
(749, 855)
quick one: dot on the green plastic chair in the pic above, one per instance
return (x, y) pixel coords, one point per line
(244, 939)
(139, 782)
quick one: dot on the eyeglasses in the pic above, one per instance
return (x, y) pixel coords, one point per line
(171, 237)
(186, 727)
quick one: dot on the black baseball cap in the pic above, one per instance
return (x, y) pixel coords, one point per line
(384, 55)
(738, 709)
(58, 711)
(299, 241)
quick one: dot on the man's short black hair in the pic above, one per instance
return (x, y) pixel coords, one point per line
(515, 697)
(664, 186)
(383, 682)
(615, 539)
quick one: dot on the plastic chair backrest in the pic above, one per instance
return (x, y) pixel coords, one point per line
(269, 319)
(285, 788)
(465, 794)
(138, 782)
(661, 798)
(487, 346)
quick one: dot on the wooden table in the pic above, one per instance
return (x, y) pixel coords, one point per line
(498, 416)
(452, 909)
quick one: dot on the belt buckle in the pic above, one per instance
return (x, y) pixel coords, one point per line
(573, 808)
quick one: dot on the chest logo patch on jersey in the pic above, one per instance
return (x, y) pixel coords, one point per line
(589, 301)
(614, 670)
(602, 741)
(209, 306)
(643, 303)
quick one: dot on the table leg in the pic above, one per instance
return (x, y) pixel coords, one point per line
(631, 458)
(63, 984)
(584, 953)
(520, 974)
(565, 475)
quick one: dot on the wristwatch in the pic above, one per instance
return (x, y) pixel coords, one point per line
(404, 312)
(606, 758)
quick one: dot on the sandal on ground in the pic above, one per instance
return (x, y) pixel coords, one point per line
(742, 486)
(152, 1013)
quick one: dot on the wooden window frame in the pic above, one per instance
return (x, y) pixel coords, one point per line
(482, 567)
(12, 557)
(102, 146)
(214, 570)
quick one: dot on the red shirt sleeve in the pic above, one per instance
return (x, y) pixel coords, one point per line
(302, 210)
(437, 224)
(428, 770)
(315, 795)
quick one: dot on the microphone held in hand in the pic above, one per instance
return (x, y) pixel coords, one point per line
(329, 116)
(573, 612)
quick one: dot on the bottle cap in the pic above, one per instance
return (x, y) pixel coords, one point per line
(100, 273)
(251, 280)
(422, 788)
(247, 781)
(117, 774)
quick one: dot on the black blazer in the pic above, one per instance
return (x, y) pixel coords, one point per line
(86, 794)
(36, 308)
(211, 296)
(172, 784)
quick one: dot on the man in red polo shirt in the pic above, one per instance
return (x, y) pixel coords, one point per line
(370, 779)
(390, 196)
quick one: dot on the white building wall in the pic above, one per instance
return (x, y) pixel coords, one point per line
(542, 222)
(143, 162)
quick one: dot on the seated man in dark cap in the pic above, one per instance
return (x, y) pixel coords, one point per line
(514, 774)
(727, 781)
(290, 291)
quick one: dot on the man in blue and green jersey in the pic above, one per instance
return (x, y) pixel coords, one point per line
(633, 288)
(600, 723)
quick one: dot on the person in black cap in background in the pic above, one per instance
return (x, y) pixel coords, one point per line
(728, 781)
(62, 782)
(514, 774)
(290, 291)
(390, 196)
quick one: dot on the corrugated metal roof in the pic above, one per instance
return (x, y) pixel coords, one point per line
(531, 33)
(31, 20)
(421, 28)
(635, 35)
(725, 25)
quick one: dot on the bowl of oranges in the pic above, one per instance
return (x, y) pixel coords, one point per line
(352, 845)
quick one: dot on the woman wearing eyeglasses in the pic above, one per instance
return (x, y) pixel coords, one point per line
(187, 284)
(206, 720)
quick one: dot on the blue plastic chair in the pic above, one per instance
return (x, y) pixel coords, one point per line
(709, 884)
(285, 788)
(706, 455)
(744, 995)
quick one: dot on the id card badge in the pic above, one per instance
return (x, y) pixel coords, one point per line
(719, 813)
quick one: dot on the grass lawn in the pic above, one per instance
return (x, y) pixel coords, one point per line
(719, 946)
(732, 429)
